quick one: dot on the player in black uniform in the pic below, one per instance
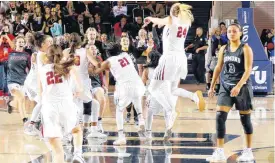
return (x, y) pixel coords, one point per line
(235, 61)
(18, 64)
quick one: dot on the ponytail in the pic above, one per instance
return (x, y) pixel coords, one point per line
(185, 10)
(55, 56)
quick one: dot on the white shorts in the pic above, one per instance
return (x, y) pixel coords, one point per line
(153, 105)
(59, 118)
(86, 96)
(171, 67)
(126, 92)
(94, 90)
(31, 93)
(16, 87)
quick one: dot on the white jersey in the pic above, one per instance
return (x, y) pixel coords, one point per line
(123, 69)
(82, 63)
(165, 35)
(174, 36)
(54, 87)
(38, 60)
(31, 79)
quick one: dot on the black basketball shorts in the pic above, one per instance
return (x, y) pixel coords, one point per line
(243, 101)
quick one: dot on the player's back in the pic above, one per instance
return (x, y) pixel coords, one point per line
(176, 35)
(55, 87)
(123, 69)
(82, 63)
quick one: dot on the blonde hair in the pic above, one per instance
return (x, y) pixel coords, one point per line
(182, 11)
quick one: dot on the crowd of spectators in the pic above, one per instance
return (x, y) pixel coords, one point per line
(111, 20)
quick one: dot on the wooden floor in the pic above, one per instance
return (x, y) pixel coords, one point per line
(193, 139)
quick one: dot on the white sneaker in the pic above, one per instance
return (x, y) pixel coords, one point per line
(199, 100)
(120, 141)
(78, 159)
(247, 155)
(217, 156)
(96, 134)
(172, 120)
(31, 130)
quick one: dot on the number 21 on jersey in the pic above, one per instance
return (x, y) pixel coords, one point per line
(182, 32)
(123, 62)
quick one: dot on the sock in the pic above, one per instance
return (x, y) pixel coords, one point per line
(119, 119)
(183, 93)
(120, 133)
(149, 120)
(93, 128)
(78, 150)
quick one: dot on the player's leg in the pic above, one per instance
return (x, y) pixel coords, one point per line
(225, 103)
(100, 97)
(95, 106)
(244, 105)
(20, 99)
(57, 149)
(78, 138)
(121, 101)
(30, 129)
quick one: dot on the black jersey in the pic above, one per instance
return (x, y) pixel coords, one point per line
(234, 66)
(18, 64)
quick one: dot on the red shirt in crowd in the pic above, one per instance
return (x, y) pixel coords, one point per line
(5, 48)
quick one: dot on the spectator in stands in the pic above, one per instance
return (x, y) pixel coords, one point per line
(67, 40)
(198, 63)
(141, 43)
(156, 9)
(38, 20)
(223, 35)
(16, 23)
(82, 25)
(100, 28)
(270, 43)
(119, 11)
(136, 26)
(119, 27)
(58, 10)
(46, 17)
(52, 20)
(212, 58)
(26, 23)
(90, 39)
(29, 48)
(12, 11)
(222, 25)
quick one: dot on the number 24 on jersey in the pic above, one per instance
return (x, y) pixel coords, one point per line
(182, 32)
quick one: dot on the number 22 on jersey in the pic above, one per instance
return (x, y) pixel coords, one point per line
(53, 78)
(123, 62)
(182, 32)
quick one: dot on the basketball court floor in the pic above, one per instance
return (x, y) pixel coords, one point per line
(193, 139)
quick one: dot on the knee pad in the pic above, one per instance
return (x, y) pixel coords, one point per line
(246, 122)
(87, 108)
(221, 117)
